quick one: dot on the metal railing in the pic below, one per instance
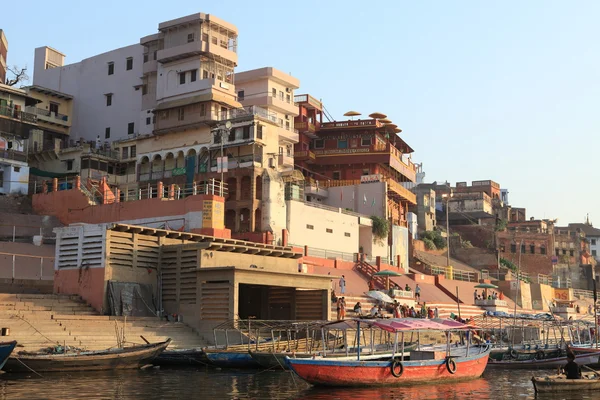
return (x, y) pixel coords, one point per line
(457, 274)
(13, 155)
(19, 233)
(324, 253)
(18, 271)
(588, 294)
(15, 113)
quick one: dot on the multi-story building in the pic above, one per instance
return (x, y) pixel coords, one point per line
(3, 54)
(16, 126)
(592, 235)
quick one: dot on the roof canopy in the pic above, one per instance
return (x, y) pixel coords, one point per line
(400, 324)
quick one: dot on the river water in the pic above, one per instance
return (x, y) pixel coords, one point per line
(203, 383)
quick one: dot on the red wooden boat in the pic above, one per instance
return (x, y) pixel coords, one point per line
(430, 364)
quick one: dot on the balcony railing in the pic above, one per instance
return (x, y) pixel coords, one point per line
(304, 155)
(13, 155)
(47, 115)
(306, 98)
(17, 114)
(305, 126)
(285, 159)
(392, 186)
(352, 124)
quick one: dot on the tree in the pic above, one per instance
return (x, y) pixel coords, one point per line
(20, 75)
(436, 238)
(380, 228)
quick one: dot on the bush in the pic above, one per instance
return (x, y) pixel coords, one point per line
(380, 228)
(436, 238)
(501, 225)
(466, 244)
(429, 245)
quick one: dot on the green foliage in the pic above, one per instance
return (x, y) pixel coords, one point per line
(436, 238)
(501, 225)
(429, 245)
(380, 228)
(508, 264)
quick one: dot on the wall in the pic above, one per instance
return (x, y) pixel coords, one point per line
(88, 82)
(540, 296)
(476, 257)
(366, 198)
(31, 262)
(71, 206)
(479, 236)
(274, 215)
(15, 181)
(299, 215)
(400, 246)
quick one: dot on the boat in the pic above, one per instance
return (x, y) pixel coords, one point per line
(179, 357)
(230, 359)
(549, 363)
(535, 353)
(560, 383)
(6, 348)
(119, 358)
(446, 363)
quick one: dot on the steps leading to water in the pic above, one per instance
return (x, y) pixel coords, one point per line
(43, 320)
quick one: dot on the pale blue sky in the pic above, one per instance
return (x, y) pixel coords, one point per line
(505, 90)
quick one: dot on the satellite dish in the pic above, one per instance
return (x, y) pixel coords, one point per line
(228, 124)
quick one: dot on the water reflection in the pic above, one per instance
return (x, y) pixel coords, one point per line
(215, 384)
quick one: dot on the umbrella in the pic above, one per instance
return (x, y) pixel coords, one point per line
(387, 273)
(377, 115)
(377, 295)
(351, 114)
(397, 130)
(486, 286)
(385, 121)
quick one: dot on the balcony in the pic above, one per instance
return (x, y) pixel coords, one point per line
(196, 48)
(286, 160)
(307, 101)
(13, 155)
(14, 113)
(149, 67)
(395, 190)
(307, 128)
(287, 135)
(50, 117)
(372, 123)
(306, 155)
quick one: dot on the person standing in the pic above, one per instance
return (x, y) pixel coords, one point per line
(418, 293)
(343, 310)
(343, 285)
(436, 313)
(475, 295)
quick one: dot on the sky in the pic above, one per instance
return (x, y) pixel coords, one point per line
(505, 90)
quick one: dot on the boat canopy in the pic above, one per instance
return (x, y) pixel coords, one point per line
(400, 324)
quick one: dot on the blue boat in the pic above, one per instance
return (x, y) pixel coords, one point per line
(6, 348)
(231, 359)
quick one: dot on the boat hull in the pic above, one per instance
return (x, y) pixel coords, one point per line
(551, 363)
(6, 348)
(192, 357)
(132, 357)
(277, 360)
(556, 384)
(230, 359)
(379, 373)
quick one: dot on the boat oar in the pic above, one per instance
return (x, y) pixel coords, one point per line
(593, 370)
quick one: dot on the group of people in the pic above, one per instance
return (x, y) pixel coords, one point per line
(490, 296)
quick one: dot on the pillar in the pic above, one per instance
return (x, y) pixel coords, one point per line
(117, 195)
(54, 184)
(77, 182)
(159, 190)
(378, 262)
(305, 250)
(171, 191)
(284, 237)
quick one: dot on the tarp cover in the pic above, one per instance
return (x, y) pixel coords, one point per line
(131, 299)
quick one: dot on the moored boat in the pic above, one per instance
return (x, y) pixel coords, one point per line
(179, 357)
(550, 363)
(559, 383)
(6, 348)
(230, 359)
(119, 358)
(425, 365)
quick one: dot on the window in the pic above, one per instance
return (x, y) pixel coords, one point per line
(329, 230)
(111, 68)
(109, 100)
(145, 58)
(125, 152)
(232, 134)
(342, 143)
(594, 253)
(193, 75)
(182, 78)
(532, 249)
(246, 133)
(54, 109)
(154, 119)
(130, 128)
(69, 165)
(319, 144)
(259, 131)
(365, 141)
(593, 242)
(107, 133)
(85, 164)
(204, 74)
(513, 248)
(280, 95)
(557, 251)
(241, 95)
(129, 64)
(571, 253)
(288, 98)
(347, 234)
(274, 92)
(132, 151)
(17, 169)
(154, 55)
(310, 226)
(202, 109)
(190, 37)
(523, 250)
(148, 120)
(281, 122)
(564, 252)
(287, 125)
(542, 250)
(337, 175)
(144, 89)
(181, 114)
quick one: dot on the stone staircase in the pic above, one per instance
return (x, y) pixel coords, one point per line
(466, 311)
(42, 320)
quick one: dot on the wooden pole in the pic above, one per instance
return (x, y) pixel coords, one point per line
(458, 302)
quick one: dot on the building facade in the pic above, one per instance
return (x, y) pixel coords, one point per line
(3, 55)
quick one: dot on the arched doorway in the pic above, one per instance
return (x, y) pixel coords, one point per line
(259, 187)
(245, 220)
(246, 189)
(232, 189)
(230, 220)
(258, 220)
